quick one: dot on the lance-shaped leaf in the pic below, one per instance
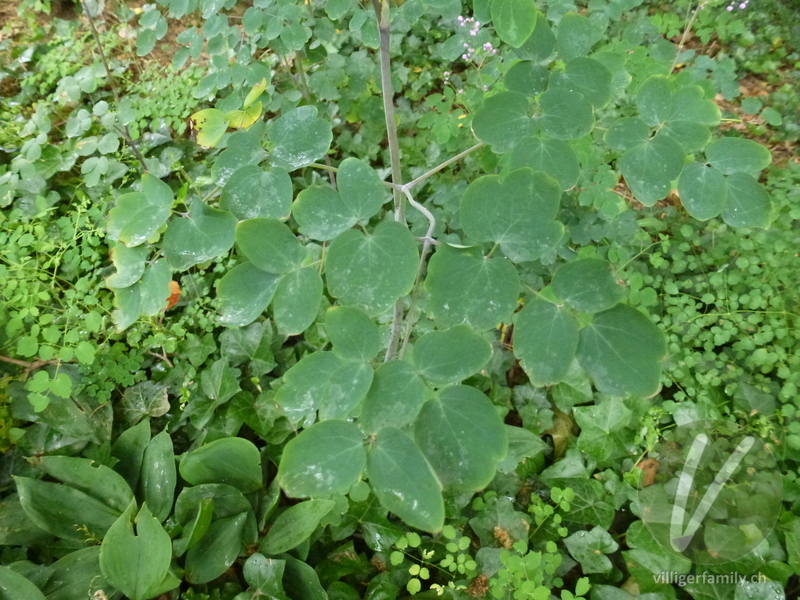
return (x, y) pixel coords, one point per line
(270, 245)
(394, 399)
(207, 233)
(565, 115)
(232, 461)
(75, 575)
(463, 437)
(553, 157)
(517, 212)
(129, 263)
(588, 77)
(587, 285)
(91, 478)
(17, 587)
(138, 215)
(545, 341)
(244, 293)
(703, 190)
(514, 20)
(650, 167)
(575, 36)
(321, 213)
(372, 271)
(503, 120)
(732, 155)
(159, 476)
(748, 202)
(353, 334)
(295, 525)
(450, 356)
(217, 549)
(622, 349)
(404, 481)
(326, 458)
(360, 187)
(299, 138)
(297, 300)
(465, 287)
(253, 192)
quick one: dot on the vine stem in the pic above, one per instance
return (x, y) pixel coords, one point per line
(124, 129)
(685, 35)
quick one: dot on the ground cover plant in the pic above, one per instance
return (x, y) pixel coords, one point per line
(378, 300)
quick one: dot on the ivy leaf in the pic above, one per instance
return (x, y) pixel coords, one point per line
(270, 245)
(654, 100)
(326, 458)
(589, 548)
(518, 212)
(394, 399)
(207, 233)
(372, 271)
(233, 461)
(450, 356)
(321, 213)
(732, 155)
(588, 77)
(605, 432)
(575, 36)
(650, 167)
(553, 157)
(295, 525)
(465, 287)
(503, 120)
(253, 192)
(404, 482)
(297, 300)
(138, 215)
(244, 293)
(703, 190)
(514, 20)
(299, 138)
(361, 188)
(565, 115)
(545, 341)
(748, 204)
(621, 349)
(353, 334)
(587, 285)
(129, 263)
(463, 437)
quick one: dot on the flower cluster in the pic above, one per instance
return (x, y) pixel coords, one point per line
(473, 26)
(741, 5)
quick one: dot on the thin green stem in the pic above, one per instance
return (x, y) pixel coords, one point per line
(444, 165)
(685, 35)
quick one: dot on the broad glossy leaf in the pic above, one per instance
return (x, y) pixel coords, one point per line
(129, 450)
(503, 120)
(129, 263)
(589, 548)
(587, 77)
(587, 285)
(14, 586)
(394, 399)
(300, 580)
(159, 476)
(540, 44)
(622, 351)
(264, 575)
(297, 300)
(136, 563)
(575, 36)
(626, 133)
(748, 202)
(321, 213)
(463, 437)
(345, 389)
(76, 575)
(226, 501)
(518, 212)
(553, 157)
(361, 188)
(194, 531)
(703, 191)
(304, 387)
(253, 192)
(16, 529)
(154, 289)
(690, 105)
(565, 115)
(299, 138)
(353, 334)
(514, 20)
(244, 293)
(732, 155)
(654, 100)
(650, 167)
(465, 287)
(404, 481)
(83, 474)
(527, 77)
(217, 550)
(295, 525)
(372, 271)
(138, 215)
(207, 233)
(270, 245)
(545, 341)
(233, 461)
(210, 125)
(450, 356)
(326, 458)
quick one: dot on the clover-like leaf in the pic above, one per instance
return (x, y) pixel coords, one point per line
(353, 334)
(732, 155)
(650, 167)
(503, 120)
(545, 341)
(553, 157)
(361, 188)
(129, 263)
(244, 293)
(321, 213)
(270, 245)
(587, 77)
(394, 399)
(299, 138)
(575, 36)
(654, 100)
(565, 115)
(253, 192)
(748, 204)
(297, 300)
(514, 20)
(207, 233)
(210, 125)
(450, 356)
(587, 285)
(703, 190)
(138, 215)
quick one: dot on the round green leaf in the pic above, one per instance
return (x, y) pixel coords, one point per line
(304, 387)
(295, 525)
(372, 271)
(244, 148)
(154, 287)
(299, 138)
(138, 215)
(321, 213)
(207, 233)
(589, 548)
(545, 341)
(270, 245)
(353, 334)
(326, 458)
(514, 20)
(360, 187)
(526, 77)
(129, 263)
(626, 133)
(344, 391)
(732, 155)
(703, 191)
(465, 287)
(650, 167)
(621, 349)
(503, 120)
(748, 202)
(565, 115)
(297, 301)
(463, 437)
(233, 461)
(404, 481)
(553, 157)
(518, 212)
(394, 399)
(690, 105)
(575, 36)
(253, 192)
(210, 125)
(587, 77)
(14, 586)
(540, 44)
(692, 137)
(450, 356)
(244, 293)
(587, 285)
(654, 100)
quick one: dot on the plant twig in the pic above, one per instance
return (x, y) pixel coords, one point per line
(29, 366)
(124, 129)
(685, 35)
(445, 164)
